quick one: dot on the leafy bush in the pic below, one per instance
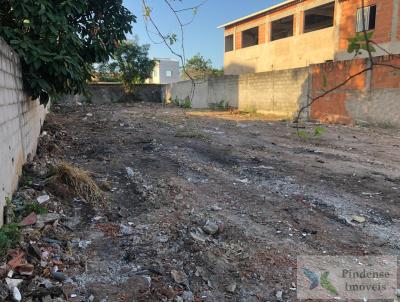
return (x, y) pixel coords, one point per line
(9, 236)
(58, 40)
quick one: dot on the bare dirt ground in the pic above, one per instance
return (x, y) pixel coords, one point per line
(215, 206)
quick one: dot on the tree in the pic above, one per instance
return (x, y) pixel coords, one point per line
(132, 64)
(198, 68)
(58, 40)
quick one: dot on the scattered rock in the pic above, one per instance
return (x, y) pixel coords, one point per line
(279, 295)
(210, 227)
(47, 218)
(130, 172)
(359, 219)
(231, 288)
(188, 296)
(127, 230)
(179, 277)
(198, 235)
(42, 199)
(59, 276)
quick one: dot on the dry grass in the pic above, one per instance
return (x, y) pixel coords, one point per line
(79, 181)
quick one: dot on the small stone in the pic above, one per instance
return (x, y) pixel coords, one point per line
(91, 298)
(59, 276)
(127, 230)
(279, 295)
(188, 296)
(42, 199)
(359, 219)
(198, 236)
(16, 294)
(231, 288)
(211, 227)
(179, 277)
(178, 299)
(216, 208)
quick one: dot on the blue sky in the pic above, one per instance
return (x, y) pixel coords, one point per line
(201, 36)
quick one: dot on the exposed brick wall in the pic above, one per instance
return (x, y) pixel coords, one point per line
(347, 28)
(371, 97)
(20, 123)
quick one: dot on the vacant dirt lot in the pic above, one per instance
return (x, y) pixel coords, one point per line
(215, 206)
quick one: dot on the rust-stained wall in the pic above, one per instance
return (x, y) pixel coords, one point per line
(372, 97)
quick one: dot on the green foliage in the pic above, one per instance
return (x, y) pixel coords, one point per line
(187, 103)
(59, 40)
(132, 64)
(359, 43)
(199, 68)
(9, 236)
(34, 207)
(318, 132)
(221, 105)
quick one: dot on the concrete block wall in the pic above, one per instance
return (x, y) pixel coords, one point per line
(372, 97)
(277, 93)
(20, 122)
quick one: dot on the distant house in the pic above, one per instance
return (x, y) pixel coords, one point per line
(166, 71)
(296, 33)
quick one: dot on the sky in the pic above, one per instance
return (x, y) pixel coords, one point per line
(202, 35)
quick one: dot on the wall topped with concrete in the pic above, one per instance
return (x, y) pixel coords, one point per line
(21, 120)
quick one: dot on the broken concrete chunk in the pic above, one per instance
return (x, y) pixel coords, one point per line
(211, 227)
(42, 199)
(11, 283)
(47, 218)
(359, 219)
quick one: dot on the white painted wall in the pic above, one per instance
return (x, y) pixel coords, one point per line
(20, 123)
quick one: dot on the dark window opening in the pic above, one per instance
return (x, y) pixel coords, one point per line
(228, 43)
(282, 28)
(369, 18)
(250, 37)
(319, 17)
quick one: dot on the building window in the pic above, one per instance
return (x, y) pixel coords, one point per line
(319, 17)
(250, 37)
(168, 73)
(228, 43)
(369, 18)
(282, 28)
(155, 73)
